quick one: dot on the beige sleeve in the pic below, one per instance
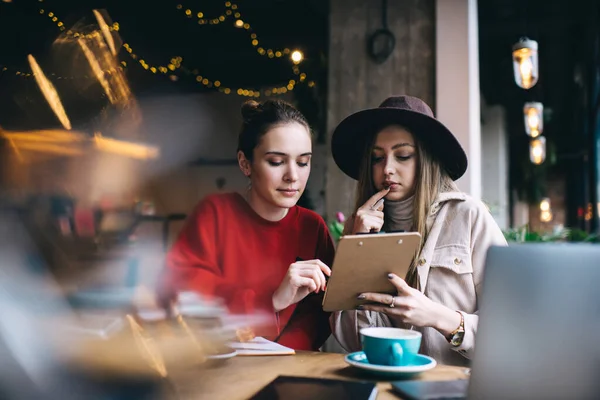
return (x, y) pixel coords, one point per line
(346, 326)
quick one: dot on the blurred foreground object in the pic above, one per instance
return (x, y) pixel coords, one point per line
(50, 350)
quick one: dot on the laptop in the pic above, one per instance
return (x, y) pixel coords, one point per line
(539, 326)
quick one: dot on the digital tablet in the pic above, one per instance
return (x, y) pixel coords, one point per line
(362, 263)
(298, 387)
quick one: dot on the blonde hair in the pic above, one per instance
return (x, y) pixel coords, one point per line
(430, 180)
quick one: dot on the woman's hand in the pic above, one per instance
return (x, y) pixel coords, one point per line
(412, 307)
(369, 217)
(302, 278)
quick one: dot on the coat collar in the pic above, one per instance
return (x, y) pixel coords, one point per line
(440, 200)
(448, 196)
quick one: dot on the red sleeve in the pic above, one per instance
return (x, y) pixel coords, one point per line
(193, 264)
(309, 327)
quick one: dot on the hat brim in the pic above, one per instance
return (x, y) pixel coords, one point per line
(354, 133)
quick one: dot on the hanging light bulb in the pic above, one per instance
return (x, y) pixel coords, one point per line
(546, 216)
(534, 118)
(545, 204)
(537, 150)
(525, 63)
(545, 210)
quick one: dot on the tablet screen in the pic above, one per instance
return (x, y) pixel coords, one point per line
(296, 388)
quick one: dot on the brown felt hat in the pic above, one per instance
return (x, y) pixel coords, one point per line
(355, 132)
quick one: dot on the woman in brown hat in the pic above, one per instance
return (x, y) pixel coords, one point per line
(400, 153)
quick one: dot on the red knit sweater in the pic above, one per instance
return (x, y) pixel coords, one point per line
(228, 251)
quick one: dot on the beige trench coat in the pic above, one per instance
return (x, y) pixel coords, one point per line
(450, 271)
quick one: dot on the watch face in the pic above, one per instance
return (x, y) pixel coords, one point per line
(457, 339)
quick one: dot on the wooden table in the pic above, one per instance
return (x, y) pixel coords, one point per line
(243, 376)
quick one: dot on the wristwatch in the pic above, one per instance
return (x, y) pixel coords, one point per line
(455, 338)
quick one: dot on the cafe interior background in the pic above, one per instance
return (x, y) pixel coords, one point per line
(116, 118)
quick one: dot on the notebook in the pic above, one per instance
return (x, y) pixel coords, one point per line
(299, 388)
(259, 346)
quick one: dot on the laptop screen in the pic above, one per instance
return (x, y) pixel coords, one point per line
(539, 326)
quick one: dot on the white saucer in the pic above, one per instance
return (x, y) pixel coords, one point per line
(420, 364)
(223, 356)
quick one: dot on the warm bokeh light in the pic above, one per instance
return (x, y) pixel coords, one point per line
(97, 70)
(128, 149)
(49, 92)
(105, 32)
(297, 56)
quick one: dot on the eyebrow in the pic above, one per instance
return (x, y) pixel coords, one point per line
(396, 146)
(278, 153)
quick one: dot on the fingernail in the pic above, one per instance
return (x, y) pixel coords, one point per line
(390, 276)
(361, 296)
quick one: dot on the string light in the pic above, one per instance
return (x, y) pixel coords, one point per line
(176, 62)
(232, 9)
(115, 27)
(202, 20)
(247, 92)
(54, 19)
(5, 69)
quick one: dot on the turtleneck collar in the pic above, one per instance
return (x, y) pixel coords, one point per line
(399, 214)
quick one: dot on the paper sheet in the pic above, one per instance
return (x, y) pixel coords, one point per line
(260, 346)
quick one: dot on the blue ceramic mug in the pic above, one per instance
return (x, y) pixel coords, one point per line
(390, 346)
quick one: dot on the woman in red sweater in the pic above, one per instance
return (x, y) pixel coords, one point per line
(260, 252)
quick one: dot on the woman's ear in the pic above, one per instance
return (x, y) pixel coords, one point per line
(244, 163)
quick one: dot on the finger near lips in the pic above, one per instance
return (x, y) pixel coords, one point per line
(376, 197)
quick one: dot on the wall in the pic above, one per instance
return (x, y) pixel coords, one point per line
(457, 82)
(356, 82)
